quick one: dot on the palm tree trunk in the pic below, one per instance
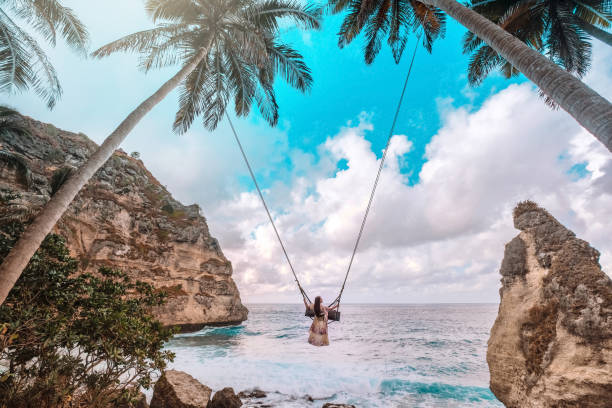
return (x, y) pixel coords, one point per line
(35, 233)
(589, 108)
(595, 31)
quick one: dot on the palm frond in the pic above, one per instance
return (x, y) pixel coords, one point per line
(191, 98)
(266, 101)
(290, 64)
(266, 14)
(172, 10)
(142, 41)
(351, 25)
(242, 83)
(376, 27)
(247, 40)
(567, 44)
(216, 92)
(482, 62)
(336, 6)
(599, 13)
(32, 13)
(15, 71)
(165, 53)
(50, 18)
(24, 65)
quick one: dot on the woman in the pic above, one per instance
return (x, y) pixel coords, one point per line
(318, 328)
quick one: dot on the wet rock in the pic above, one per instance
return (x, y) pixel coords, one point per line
(225, 398)
(331, 405)
(176, 389)
(124, 218)
(255, 393)
(551, 344)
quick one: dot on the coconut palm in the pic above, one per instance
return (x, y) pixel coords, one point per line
(23, 64)
(559, 29)
(226, 50)
(589, 108)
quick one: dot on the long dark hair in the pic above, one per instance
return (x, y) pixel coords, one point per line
(317, 306)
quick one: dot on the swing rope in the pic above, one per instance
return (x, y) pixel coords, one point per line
(280, 241)
(380, 168)
(370, 201)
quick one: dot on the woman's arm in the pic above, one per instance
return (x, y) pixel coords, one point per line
(308, 306)
(334, 307)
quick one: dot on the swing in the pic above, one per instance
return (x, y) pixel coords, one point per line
(333, 315)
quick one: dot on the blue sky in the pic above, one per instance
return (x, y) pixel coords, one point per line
(460, 160)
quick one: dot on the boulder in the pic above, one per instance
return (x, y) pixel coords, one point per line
(332, 405)
(176, 389)
(551, 344)
(225, 398)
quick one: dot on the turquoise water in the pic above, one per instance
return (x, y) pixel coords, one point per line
(380, 356)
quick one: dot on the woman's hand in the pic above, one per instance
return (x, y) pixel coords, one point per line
(334, 307)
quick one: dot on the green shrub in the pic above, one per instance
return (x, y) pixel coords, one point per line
(69, 339)
(59, 177)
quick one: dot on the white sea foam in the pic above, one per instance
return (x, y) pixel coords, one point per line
(380, 356)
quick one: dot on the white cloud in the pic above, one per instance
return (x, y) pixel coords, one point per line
(439, 240)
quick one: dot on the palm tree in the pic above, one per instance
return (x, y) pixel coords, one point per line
(226, 49)
(558, 29)
(23, 64)
(589, 108)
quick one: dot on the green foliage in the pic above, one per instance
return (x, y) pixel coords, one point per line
(69, 339)
(6, 196)
(168, 209)
(135, 155)
(11, 123)
(20, 163)
(24, 65)
(244, 53)
(59, 177)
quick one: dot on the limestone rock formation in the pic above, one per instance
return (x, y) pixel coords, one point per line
(176, 389)
(225, 398)
(551, 344)
(124, 218)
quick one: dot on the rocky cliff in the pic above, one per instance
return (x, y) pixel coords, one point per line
(124, 218)
(551, 345)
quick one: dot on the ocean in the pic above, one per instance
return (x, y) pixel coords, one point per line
(430, 355)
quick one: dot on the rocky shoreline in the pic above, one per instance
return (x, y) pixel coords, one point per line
(176, 389)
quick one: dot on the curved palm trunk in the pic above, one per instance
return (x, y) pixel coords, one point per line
(35, 233)
(589, 108)
(595, 32)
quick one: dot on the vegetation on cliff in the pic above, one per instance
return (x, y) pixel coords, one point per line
(76, 339)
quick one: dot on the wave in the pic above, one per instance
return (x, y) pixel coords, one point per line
(438, 390)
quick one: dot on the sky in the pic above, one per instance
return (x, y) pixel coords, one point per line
(459, 161)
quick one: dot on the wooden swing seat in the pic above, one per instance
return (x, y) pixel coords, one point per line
(331, 315)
